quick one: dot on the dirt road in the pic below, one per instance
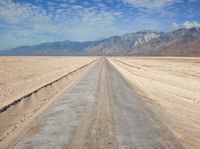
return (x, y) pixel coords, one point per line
(101, 111)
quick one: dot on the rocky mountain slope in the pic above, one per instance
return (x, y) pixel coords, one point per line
(121, 45)
(181, 42)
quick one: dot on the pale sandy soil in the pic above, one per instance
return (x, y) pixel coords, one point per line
(22, 75)
(99, 111)
(171, 86)
(112, 108)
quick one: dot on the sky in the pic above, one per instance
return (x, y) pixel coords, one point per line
(29, 22)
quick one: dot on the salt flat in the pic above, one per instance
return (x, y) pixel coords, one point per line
(171, 86)
(22, 75)
(114, 102)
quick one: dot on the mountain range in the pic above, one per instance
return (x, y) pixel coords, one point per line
(180, 42)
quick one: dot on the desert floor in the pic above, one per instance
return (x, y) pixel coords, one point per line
(22, 75)
(171, 87)
(100, 102)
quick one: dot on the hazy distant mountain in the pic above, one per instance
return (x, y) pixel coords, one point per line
(181, 42)
(50, 48)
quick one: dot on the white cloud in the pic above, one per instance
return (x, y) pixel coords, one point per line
(186, 24)
(15, 13)
(151, 4)
(23, 23)
(28, 24)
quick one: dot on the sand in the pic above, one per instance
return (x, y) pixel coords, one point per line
(171, 86)
(21, 75)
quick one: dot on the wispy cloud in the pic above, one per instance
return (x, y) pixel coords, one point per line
(151, 4)
(36, 21)
(186, 24)
(29, 24)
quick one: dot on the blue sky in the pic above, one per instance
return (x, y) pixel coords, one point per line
(28, 22)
